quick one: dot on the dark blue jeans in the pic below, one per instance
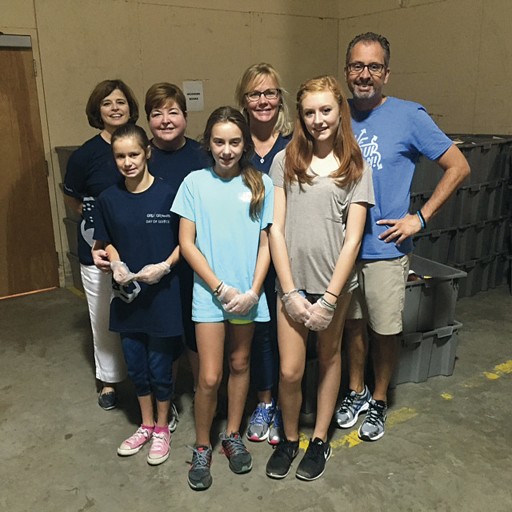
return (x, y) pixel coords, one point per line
(264, 351)
(149, 360)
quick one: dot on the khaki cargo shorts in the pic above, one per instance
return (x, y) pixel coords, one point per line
(381, 294)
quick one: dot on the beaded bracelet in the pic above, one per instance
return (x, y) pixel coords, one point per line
(422, 219)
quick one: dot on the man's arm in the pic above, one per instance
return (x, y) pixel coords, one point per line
(456, 170)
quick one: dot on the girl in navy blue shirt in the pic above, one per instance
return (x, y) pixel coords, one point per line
(140, 236)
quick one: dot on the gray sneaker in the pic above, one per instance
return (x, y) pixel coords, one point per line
(372, 427)
(199, 476)
(353, 405)
(240, 460)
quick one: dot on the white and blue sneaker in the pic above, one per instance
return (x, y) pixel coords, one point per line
(275, 432)
(259, 424)
(351, 407)
(372, 427)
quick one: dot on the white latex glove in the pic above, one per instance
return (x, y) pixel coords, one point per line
(320, 316)
(226, 294)
(242, 303)
(151, 274)
(296, 306)
(121, 272)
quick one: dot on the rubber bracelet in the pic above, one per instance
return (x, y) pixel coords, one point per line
(327, 305)
(330, 293)
(422, 219)
(216, 291)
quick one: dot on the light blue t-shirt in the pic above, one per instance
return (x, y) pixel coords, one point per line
(226, 236)
(392, 137)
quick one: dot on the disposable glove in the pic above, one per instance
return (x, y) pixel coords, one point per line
(151, 274)
(296, 306)
(226, 294)
(320, 315)
(121, 272)
(242, 303)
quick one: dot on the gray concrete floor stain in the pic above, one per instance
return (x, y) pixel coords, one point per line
(447, 445)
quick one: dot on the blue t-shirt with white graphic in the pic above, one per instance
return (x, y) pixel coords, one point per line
(392, 137)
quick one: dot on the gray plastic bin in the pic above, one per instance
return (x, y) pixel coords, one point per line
(430, 300)
(427, 354)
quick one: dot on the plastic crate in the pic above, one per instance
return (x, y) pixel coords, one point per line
(426, 354)
(476, 241)
(487, 155)
(430, 300)
(435, 244)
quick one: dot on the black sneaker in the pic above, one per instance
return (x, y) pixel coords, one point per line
(199, 476)
(312, 465)
(107, 401)
(240, 460)
(280, 462)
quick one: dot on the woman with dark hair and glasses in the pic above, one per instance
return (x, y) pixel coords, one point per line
(259, 95)
(90, 170)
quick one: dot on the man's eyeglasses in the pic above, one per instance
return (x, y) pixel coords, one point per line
(374, 68)
(270, 94)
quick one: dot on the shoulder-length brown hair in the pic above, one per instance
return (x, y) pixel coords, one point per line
(300, 150)
(101, 91)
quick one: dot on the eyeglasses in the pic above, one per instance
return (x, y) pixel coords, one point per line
(374, 68)
(270, 94)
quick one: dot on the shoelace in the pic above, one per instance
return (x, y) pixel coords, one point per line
(141, 435)
(348, 403)
(375, 415)
(159, 440)
(201, 458)
(260, 416)
(233, 445)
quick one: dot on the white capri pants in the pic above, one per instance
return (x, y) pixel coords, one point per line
(108, 354)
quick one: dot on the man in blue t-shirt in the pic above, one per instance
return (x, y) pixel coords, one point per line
(392, 134)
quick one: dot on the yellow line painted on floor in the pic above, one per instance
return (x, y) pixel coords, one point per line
(505, 367)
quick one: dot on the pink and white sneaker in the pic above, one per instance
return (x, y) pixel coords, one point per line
(134, 443)
(160, 447)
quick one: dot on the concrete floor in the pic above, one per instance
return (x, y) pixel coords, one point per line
(447, 445)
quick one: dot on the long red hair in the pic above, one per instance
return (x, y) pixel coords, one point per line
(300, 150)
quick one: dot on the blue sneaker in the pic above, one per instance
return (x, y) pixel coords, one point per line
(275, 432)
(351, 407)
(260, 421)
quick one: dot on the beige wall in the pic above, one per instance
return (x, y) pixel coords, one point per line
(454, 56)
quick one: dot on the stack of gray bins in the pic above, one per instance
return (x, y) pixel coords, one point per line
(429, 340)
(473, 229)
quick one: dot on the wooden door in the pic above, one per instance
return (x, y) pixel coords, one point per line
(28, 259)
